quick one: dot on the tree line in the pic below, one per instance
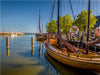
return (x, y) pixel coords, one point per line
(66, 22)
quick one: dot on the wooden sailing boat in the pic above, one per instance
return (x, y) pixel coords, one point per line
(40, 36)
(70, 55)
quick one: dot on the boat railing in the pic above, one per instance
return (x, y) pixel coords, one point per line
(80, 57)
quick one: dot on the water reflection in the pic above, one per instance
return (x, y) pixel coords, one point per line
(40, 52)
(47, 64)
(8, 54)
(62, 69)
(26, 59)
(40, 49)
(32, 50)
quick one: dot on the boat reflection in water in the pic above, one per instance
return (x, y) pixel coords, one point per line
(40, 52)
(8, 54)
(32, 49)
(62, 69)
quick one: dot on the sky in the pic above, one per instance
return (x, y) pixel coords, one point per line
(23, 15)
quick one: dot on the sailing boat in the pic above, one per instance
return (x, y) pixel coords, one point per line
(70, 55)
(40, 36)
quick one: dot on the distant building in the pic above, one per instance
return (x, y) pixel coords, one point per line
(98, 22)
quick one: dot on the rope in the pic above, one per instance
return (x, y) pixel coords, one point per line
(71, 9)
(97, 12)
(52, 11)
(82, 4)
(65, 7)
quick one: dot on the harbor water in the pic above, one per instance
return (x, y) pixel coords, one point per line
(20, 58)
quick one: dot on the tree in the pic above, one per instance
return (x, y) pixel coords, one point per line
(51, 27)
(82, 19)
(67, 23)
(60, 23)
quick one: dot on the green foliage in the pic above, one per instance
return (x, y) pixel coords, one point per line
(67, 23)
(82, 19)
(60, 23)
(51, 27)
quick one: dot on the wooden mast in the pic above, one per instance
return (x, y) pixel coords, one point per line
(58, 20)
(88, 25)
(42, 26)
(39, 23)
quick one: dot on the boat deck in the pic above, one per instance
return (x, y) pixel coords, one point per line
(94, 58)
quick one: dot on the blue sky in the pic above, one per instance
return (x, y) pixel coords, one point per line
(23, 16)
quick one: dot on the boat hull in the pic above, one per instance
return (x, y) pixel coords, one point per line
(74, 63)
(40, 37)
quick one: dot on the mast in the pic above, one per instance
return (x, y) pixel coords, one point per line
(39, 23)
(42, 25)
(88, 25)
(58, 19)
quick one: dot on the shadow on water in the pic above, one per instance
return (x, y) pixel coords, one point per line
(35, 51)
(62, 69)
(13, 65)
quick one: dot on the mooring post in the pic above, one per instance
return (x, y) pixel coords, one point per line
(7, 45)
(7, 42)
(32, 45)
(33, 41)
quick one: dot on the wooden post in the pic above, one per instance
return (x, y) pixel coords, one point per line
(7, 45)
(87, 39)
(7, 41)
(32, 41)
(32, 45)
(58, 20)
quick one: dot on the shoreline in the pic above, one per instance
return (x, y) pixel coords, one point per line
(9, 33)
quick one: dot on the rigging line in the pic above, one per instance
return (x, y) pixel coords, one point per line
(77, 6)
(82, 9)
(94, 12)
(97, 12)
(68, 7)
(52, 11)
(61, 8)
(72, 9)
(65, 8)
(82, 4)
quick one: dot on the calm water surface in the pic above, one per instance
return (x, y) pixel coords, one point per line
(22, 59)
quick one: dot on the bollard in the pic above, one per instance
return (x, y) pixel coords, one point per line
(33, 41)
(32, 45)
(7, 42)
(7, 45)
